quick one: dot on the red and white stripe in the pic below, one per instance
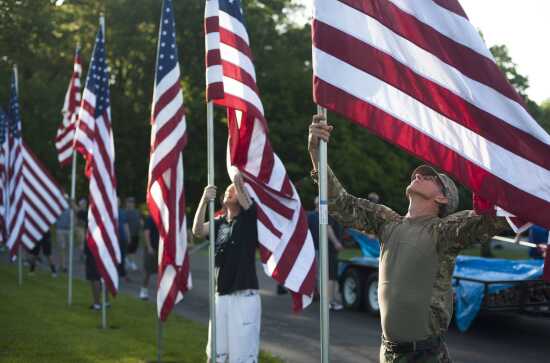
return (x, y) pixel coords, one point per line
(285, 244)
(15, 201)
(44, 198)
(94, 140)
(418, 74)
(165, 187)
(64, 140)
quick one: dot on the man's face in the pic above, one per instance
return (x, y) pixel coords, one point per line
(426, 185)
(230, 196)
(130, 204)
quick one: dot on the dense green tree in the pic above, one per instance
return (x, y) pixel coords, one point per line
(40, 37)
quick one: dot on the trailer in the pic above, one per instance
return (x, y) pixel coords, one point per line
(480, 284)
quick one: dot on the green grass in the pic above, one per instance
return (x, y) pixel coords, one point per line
(37, 326)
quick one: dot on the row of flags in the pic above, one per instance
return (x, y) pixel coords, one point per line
(30, 198)
(284, 241)
(416, 74)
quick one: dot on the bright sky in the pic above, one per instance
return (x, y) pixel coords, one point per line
(524, 27)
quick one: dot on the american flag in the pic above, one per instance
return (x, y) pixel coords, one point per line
(64, 140)
(94, 140)
(14, 203)
(285, 244)
(418, 74)
(165, 192)
(44, 198)
(3, 139)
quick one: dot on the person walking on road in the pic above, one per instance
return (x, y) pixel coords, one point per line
(418, 254)
(62, 234)
(150, 256)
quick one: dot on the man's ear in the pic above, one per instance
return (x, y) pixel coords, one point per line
(441, 199)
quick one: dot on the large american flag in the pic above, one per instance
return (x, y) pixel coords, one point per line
(165, 192)
(418, 74)
(44, 199)
(14, 202)
(94, 140)
(64, 140)
(285, 244)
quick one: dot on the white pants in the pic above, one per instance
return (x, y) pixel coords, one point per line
(238, 317)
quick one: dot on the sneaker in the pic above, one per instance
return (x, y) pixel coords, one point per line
(335, 306)
(144, 293)
(54, 271)
(95, 307)
(107, 305)
(281, 290)
(135, 266)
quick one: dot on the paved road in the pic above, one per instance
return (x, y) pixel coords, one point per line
(356, 336)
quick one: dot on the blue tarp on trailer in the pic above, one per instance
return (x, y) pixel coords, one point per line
(469, 294)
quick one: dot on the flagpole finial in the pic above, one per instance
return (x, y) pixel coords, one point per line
(102, 22)
(16, 76)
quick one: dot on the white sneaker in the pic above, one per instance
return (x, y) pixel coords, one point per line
(144, 293)
(335, 306)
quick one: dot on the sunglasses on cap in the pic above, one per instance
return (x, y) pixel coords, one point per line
(430, 177)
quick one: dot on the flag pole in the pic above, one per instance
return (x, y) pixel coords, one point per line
(159, 340)
(323, 246)
(72, 218)
(72, 231)
(19, 243)
(103, 305)
(211, 232)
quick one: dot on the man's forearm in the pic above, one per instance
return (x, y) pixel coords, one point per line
(199, 218)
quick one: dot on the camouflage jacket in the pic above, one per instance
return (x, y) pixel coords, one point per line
(417, 259)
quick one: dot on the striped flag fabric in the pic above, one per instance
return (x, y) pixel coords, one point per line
(165, 189)
(418, 74)
(44, 198)
(64, 140)
(14, 203)
(94, 140)
(3, 139)
(285, 244)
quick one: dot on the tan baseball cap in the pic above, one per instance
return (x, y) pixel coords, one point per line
(448, 186)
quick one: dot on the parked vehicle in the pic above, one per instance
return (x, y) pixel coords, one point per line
(504, 285)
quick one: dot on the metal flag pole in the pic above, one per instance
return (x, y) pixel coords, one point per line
(159, 340)
(211, 252)
(19, 243)
(72, 231)
(323, 246)
(103, 305)
(72, 218)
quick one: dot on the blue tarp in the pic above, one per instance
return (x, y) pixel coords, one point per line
(370, 247)
(469, 295)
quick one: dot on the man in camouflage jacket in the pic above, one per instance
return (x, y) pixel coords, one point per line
(417, 257)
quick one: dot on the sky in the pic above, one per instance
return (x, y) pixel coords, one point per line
(524, 27)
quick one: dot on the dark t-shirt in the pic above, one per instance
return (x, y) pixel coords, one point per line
(236, 252)
(153, 231)
(133, 217)
(313, 224)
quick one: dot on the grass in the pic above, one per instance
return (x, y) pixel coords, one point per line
(37, 326)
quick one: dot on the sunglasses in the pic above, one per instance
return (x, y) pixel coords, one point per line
(432, 178)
